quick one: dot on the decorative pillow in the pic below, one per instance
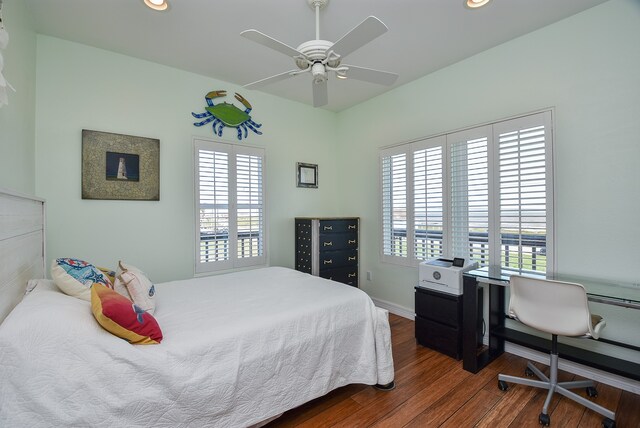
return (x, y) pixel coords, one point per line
(132, 283)
(108, 273)
(123, 318)
(75, 277)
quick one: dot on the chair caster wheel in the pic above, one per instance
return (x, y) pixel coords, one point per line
(544, 420)
(608, 423)
(592, 391)
(503, 385)
(528, 372)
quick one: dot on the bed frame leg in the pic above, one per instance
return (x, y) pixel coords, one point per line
(386, 387)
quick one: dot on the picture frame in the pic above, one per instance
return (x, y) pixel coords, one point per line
(307, 175)
(120, 167)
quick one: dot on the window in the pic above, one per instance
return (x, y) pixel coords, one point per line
(484, 194)
(229, 182)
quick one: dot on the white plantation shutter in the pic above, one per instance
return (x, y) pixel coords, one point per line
(484, 194)
(470, 218)
(229, 205)
(213, 185)
(394, 205)
(524, 192)
(428, 200)
(250, 216)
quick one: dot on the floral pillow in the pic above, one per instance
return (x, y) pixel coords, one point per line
(132, 283)
(76, 277)
(123, 318)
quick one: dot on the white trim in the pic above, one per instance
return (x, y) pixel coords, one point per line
(395, 309)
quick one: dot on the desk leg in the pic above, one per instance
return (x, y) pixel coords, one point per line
(475, 359)
(469, 324)
(496, 319)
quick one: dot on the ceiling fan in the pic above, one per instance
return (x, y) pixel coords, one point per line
(319, 57)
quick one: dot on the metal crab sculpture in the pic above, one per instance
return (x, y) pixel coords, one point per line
(226, 114)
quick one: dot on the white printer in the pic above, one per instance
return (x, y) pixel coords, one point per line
(444, 275)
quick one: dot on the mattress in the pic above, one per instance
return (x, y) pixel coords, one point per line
(237, 349)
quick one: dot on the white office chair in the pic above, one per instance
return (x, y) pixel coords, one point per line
(558, 308)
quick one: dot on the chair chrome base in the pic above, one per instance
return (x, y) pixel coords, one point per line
(551, 383)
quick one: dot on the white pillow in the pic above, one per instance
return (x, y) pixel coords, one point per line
(75, 277)
(132, 283)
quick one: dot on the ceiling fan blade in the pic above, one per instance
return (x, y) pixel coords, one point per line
(370, 75)
(320, 94)
(359, 36)
(270, 42)
(269, 80)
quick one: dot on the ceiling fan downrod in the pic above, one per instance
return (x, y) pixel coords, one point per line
(317, 5)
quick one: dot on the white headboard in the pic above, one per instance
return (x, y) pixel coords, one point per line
(22, 246)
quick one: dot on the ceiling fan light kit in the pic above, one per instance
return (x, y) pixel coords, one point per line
(319, 57)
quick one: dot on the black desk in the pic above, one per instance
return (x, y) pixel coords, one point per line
(474, 358)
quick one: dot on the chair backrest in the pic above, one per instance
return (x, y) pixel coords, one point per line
(554, 307)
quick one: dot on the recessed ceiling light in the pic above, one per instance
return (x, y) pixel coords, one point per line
(157, 4)
(474, 4)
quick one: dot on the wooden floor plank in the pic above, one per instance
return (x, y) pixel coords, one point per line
(608, 397)
(433, 390)
(473, 410)
(628, 411)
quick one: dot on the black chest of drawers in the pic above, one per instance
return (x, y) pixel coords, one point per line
(328, 247)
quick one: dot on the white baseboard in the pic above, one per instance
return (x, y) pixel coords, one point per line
(401, 311)
(540, 357)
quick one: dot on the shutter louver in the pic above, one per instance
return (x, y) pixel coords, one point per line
(250, 219)
(523, 204)
(428, 197)
(470, 200)
(213, 178)
(394, 205)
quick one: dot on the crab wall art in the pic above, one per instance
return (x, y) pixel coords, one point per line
(226, 114)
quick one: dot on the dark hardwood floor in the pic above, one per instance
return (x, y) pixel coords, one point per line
(433, 390)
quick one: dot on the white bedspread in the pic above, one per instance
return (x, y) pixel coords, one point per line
(237, 349)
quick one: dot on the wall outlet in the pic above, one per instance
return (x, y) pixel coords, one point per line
(369, 275)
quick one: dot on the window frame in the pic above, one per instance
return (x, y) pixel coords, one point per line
(492, 132)
(233, 262)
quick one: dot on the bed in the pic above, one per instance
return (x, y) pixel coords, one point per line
(238, 349)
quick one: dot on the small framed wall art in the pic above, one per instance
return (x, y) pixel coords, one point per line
(307, 174)
(116, 166)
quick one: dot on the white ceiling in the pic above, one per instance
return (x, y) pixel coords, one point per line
(203, 36)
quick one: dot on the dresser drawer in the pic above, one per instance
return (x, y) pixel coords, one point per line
(442, 338)
(338, 226)
(336, 241)
(334, 259)
(442, 308)
(346, 275)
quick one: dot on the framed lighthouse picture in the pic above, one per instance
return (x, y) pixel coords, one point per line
(117, 166)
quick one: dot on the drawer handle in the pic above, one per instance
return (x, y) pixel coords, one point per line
(328, 228)
(352, 275)
(328, 244)
(351, 258)
(328, 262)
(352, 241)
(352, 226)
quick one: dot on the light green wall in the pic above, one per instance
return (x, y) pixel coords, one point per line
(80, 87)
(17, 120)
(588, 68)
